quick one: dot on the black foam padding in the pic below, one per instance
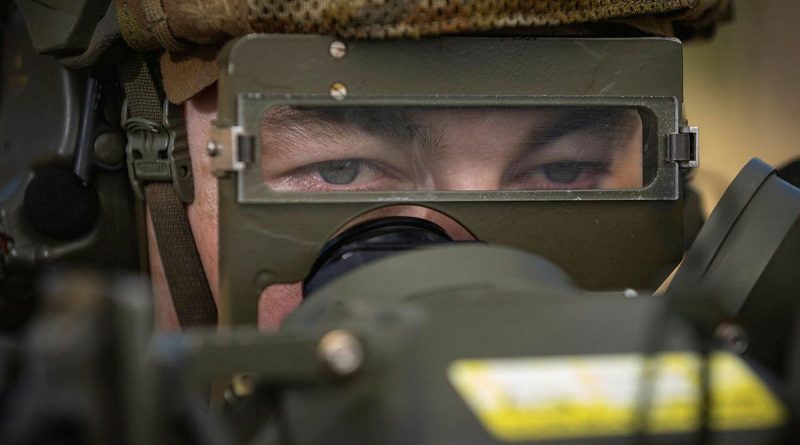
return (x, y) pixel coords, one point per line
(58, 205)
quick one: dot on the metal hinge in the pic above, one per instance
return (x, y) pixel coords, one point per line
(158, 152)
(230, 149)
(683, 147)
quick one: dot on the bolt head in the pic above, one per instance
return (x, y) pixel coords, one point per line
(213, 148)
(341, 352)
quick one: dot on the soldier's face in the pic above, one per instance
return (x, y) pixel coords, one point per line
(412, 148)
(428, 149)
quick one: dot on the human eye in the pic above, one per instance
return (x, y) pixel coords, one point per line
(338, 175)
(578, 160)
(582, 149)
(340, 172)
(567, 174)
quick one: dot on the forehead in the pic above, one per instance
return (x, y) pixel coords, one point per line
(405, 121)
(477, 119)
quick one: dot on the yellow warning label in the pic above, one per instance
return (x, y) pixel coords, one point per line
(600, 395)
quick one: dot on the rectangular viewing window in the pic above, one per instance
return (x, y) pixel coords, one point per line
(467, 148)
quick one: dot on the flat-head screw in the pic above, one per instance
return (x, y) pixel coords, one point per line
(338, 91)
(338, 49)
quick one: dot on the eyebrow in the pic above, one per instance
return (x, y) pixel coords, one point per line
(568, 121)
(299, 124)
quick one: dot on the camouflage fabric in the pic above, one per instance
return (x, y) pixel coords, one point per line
(191, 30)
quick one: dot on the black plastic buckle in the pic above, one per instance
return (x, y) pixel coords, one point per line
(158, 153)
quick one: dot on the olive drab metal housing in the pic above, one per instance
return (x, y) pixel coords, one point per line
(605, 239)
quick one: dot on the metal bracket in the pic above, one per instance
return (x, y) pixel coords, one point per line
(684, 147)
(230, 149)
(158, 152)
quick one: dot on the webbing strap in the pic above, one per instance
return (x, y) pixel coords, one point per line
(185, 275)
(186, 278)
(144, 100)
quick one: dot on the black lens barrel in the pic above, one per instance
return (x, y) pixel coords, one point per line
(368, 242)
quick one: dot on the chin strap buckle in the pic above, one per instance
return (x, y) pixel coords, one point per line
(158, 152)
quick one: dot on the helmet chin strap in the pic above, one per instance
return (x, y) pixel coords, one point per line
(160, 172)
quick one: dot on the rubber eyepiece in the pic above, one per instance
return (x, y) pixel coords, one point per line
(368, 242)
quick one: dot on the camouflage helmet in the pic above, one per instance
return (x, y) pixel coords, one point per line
(192, 32)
